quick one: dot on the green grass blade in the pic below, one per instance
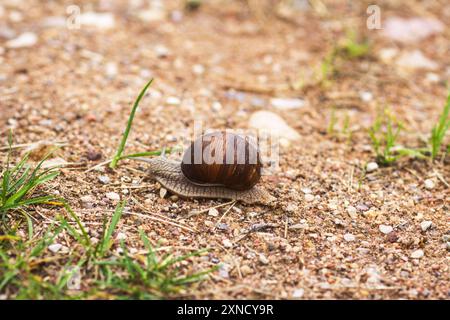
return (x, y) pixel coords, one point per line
(116, 158)
(106, 241)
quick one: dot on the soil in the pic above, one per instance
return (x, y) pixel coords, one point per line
(76, 87)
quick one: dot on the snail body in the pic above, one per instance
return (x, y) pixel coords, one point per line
(217, 165)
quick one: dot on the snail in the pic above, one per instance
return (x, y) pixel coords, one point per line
(217, 165)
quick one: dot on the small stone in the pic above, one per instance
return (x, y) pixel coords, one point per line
(173, 101)
(409, 30)
(198, 69)
(298, 293)
(155, 14)
(113, 196)
(121, 236)
(366, 96)
(349, 237)
(55, 247)
(371, 166)
(222, 226)
(213, 212)
(425, 225)
(351, 210)
(93, 155)
(392, 237)
(429, 184)
(304, 190)
(362, 207)
(103, 179)
(217, 106)
(263, 259)
(162, 193)
(27, 39)
(417, 254)
(273, 124)
(223, 271)
(385, 229)
(309, 197)
(291, 207)
(287, 104)
(111, 70)
(245, 270)
(97, 20)
(415, 60)
(161, 51)
(87, 199)
(227, 243)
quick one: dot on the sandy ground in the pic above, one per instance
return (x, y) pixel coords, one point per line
(220, 64)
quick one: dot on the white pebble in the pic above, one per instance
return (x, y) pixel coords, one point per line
(429, 184)
(351, 210)
(113, 196)
(263, 259)
(27, 39)
(103, 179)
(162, 193)
(55, 247)
(349, 237)
(298, 293)
(309, 197)
(287, 104)
(386, 229)
(121, 236)
(425, 225)
(227, 243)
(97, 20)
(371, 166)
(173, 101)
(417, 254)
(198, 69)
(213, 212)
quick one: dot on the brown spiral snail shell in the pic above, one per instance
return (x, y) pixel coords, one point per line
(216, 165)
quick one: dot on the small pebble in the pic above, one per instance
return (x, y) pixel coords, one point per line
(55, 247)
(198, 69)
(162, 193)
(173, 101)
(417, 254)
(213, 212)
(223, 271)
(121, 236)
(222, 226)
(425, 225)
(227, 243)
(309, 197)
(429, 184)
(27, 39)
(103, 179)
(93, 155)
(386, 229)
(245, 270)
(349, 237)
(263, 259)
(298, 293)
(351, 210)
(113, 196)
(287, 104)
(371, 166)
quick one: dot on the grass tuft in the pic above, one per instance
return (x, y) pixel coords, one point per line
(439, 130)
(18, 183)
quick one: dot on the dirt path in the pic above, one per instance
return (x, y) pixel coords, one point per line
(220, 64)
